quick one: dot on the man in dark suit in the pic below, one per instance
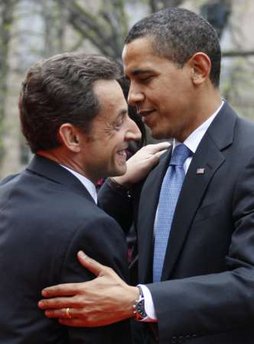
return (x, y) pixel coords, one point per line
(74, 116)
(205, 294)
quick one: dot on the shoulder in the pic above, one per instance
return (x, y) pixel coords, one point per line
(8, 179)
(245, 127)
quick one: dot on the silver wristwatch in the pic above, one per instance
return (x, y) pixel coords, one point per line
(139, 307)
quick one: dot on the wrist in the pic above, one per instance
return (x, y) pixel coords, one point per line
(139, 312)
(131, 295)
(120, 182)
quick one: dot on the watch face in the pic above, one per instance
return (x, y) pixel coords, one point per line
(140, 308)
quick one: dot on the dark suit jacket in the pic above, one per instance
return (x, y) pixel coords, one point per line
(207, 296)
(46, 216)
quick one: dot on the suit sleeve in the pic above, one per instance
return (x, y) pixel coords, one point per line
(102, 239)
(117, 203)
(218, 302)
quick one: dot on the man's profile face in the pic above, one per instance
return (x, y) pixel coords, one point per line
(161, 90)
(110, 132)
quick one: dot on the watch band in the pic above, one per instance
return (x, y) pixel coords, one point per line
(139, 307)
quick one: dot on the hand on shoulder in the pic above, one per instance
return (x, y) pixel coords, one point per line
(139, 165)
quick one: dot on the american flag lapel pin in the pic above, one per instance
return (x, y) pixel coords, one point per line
(200, 171)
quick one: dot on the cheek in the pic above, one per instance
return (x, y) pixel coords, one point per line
(111, 151)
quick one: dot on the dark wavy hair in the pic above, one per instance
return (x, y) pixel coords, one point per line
(60, 90)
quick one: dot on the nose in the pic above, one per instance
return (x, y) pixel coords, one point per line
(135, 96)
(132, 131)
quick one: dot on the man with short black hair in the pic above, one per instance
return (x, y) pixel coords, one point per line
(195, 213)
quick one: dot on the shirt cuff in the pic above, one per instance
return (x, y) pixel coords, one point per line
(149, 306)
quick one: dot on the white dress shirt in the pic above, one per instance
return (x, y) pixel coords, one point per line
(86, 182)
(192, 143)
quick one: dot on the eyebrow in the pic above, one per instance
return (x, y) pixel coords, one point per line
(122, 113)
(137, 71)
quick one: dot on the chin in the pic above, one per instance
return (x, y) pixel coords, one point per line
(159, 136)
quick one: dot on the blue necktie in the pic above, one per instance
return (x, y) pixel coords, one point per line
(170, 190)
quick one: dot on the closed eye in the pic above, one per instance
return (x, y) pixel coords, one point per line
(118, 123)
(145, 79)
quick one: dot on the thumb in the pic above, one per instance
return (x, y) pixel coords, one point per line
(90, 264)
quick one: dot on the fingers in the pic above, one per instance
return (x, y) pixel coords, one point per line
(72, 322)
(59, 313)
(157, 147)
(57, 303)
(150, 152)
(156, 150)
(141, 163)
(78, 317)
(64, 313)
(158, 154)
(68, 289)
(59, 292)
(69, 317)
(90, 264)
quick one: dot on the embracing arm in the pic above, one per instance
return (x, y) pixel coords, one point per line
(102, 301)
(200, 305)
(104, 240)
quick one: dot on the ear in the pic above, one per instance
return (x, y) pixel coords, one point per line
(70, 137)
(200, 65)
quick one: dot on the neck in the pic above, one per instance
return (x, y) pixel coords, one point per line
(65, 158)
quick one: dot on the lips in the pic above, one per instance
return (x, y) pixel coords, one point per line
(145, 115)
(121, 157)
(123, 153)
(144, 112)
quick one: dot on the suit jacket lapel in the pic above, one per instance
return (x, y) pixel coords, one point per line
(191, 195)
(50, 170)
(209, 156)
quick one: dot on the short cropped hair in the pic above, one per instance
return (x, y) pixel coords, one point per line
(60, 90)
(178, 34)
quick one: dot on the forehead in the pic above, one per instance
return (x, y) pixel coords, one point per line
(108, 92)
(111, 98)
(139, 56)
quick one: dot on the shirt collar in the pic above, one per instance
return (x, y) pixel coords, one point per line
(193, 140)
(86, 182)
